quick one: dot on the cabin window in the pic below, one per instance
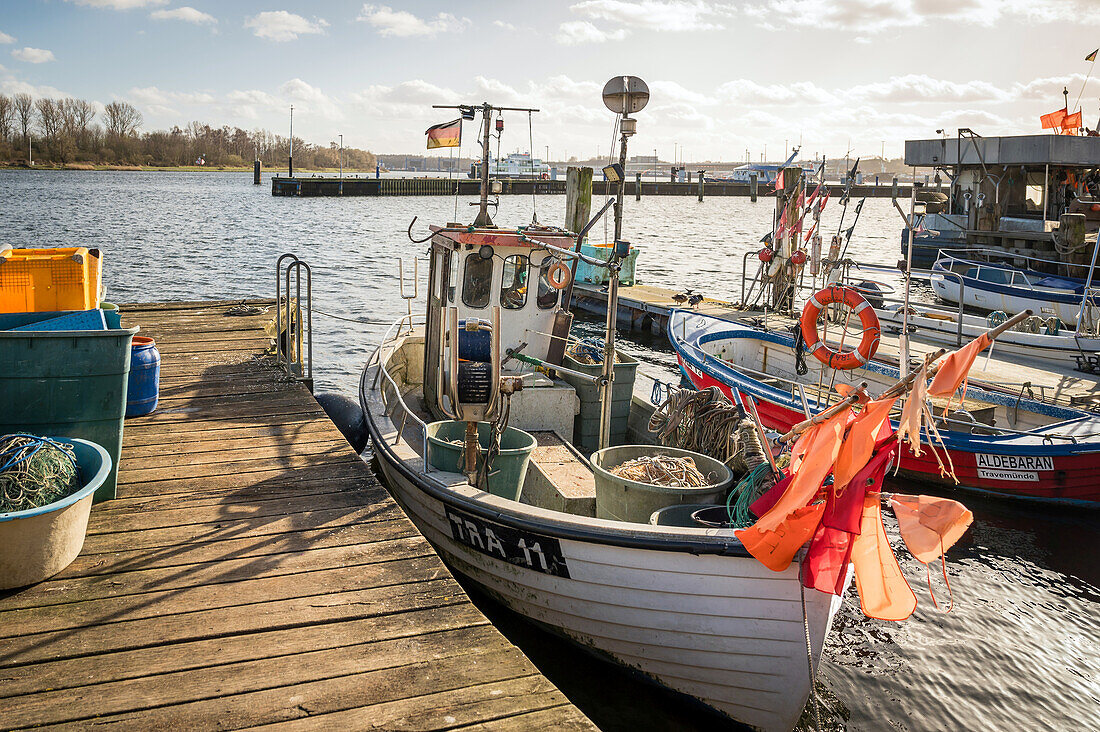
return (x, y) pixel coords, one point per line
(453, 279)
(547, 296)
(513, 282)
(477, 281)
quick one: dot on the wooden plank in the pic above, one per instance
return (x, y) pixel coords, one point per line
(442, 710)
(74, 601)
(321, 444)
(87, 565)
(488, 660)
(179, 537)
(268, 614)
(196, 448)
(134, 664)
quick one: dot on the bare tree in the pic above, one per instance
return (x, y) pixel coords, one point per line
(51, 120)
(7, 117)
(121, 119)
(24, 110)
(78, 115)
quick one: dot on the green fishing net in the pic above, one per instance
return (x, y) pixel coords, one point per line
(35, 471)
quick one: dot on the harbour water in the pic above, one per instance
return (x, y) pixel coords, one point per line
(1019, 649)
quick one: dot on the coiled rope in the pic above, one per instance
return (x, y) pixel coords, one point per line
(35, 471)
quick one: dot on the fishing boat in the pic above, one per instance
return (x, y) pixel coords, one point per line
(1037, 340)
(981, 279)
(999, 442)
(685, 606)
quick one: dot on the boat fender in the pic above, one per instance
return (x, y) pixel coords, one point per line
(558, 276)
(347, 415)
(868, 344)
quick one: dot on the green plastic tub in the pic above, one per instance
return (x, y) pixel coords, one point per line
(599, 275)
(620, 499)
(586, 425)
(508, 469)
(70, 383)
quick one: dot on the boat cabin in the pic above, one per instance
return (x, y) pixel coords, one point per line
(1037, 195)
(498, 290)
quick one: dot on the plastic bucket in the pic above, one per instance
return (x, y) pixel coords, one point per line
(111, 314)
(586, 424)
(70, 383)
(692, 516)
(620, 499)
(40, 542)
(143, 388)
(508, 469)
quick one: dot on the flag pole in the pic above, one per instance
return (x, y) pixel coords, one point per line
(1086, 81)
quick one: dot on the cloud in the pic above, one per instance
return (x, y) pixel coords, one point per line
(311, 99)
(658, 15)
(874, 16)
(920, 88)
(33, 55)
(403, 24)
(574, 32)
(279, 25)
(5, 38)
(185, 13)
(119, 4)
(153, 95)
(504, 25)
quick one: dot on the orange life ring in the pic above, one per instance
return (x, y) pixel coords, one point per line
(558, 275)
(835, 294)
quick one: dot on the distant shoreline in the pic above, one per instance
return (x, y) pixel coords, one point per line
(171, 168)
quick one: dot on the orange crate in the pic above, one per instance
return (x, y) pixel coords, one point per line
(43, 280)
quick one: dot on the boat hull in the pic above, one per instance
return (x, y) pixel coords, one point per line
(711, 623)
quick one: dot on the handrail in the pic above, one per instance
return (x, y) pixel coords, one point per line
(386, 341)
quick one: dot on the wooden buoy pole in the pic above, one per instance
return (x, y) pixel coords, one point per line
(256, 173)
(702, 177)
(754, 184)
(637, 186)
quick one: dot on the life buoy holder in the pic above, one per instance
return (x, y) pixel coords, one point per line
(558, 275)
(837, 294)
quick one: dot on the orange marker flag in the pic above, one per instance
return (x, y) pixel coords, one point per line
(1071, 123)
(883, 591)
(930, 525)
(955, 367)
(1054, 119)
(860, 442)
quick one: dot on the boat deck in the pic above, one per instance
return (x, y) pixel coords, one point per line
(252, 571)
(646, 307)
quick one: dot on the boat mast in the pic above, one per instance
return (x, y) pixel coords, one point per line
(483, 218)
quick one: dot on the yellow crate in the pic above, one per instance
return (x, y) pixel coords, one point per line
(43, 280)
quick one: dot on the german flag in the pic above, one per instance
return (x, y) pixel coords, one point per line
(1092, 56)
(448, 134)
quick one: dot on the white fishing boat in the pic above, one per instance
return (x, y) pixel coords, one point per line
(982, 279)
(685, 606)
(1036, 340)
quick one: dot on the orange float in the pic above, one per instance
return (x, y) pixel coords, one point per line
(840, 295)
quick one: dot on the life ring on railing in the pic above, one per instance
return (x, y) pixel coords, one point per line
(558, 275)
(837, 294)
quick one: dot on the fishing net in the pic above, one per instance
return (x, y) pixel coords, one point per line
(589, 351)
(663, 470)
(35, 471)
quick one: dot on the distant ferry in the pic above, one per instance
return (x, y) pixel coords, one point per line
(764, 172)
(516, 165)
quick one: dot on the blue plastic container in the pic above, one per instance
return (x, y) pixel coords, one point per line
(143, 389)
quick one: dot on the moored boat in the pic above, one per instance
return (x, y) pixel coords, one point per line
(999, 443)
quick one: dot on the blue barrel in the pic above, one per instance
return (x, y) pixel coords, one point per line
(143, 388)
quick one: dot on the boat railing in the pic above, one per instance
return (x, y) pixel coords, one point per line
(975, 256)
(393, 332)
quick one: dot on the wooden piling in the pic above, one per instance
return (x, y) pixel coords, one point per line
(256, 173)
(637, 186)
(702, 178)
(754, 184)
(578, 209)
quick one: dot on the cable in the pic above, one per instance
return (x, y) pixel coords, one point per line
(353, 320)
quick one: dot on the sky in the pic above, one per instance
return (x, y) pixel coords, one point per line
(728, 79)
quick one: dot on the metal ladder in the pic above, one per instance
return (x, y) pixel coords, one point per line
(294, 351)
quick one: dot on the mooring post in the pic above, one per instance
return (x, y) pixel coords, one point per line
(637, 186)
(754, 184)
(701, 180)
(578, 209)
(256, 173)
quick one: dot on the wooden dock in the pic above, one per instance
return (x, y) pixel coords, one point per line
(254, 572)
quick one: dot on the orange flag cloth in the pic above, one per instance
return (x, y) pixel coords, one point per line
(956, 366)
(883, 591)
(911, 413)
(930, 525)
(860, 442)
(778, 535)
